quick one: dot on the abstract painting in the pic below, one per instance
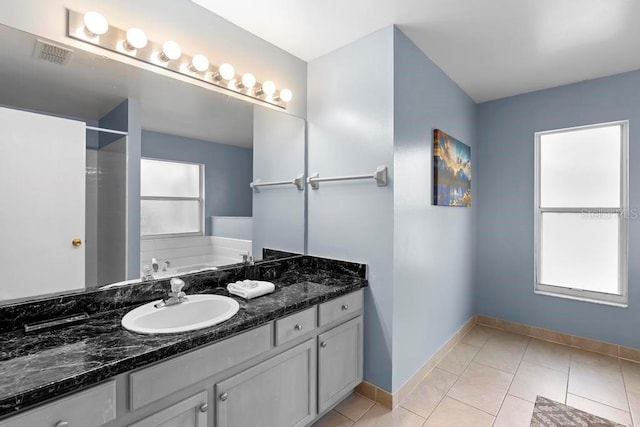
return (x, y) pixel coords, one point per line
(451, 171)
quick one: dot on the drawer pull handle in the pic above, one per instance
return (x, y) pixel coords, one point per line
(323, 344)
(204, 407)
(224, 396)
(298, 327)
(62, 424)
(345, 307)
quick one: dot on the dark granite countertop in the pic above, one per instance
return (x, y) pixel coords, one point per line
(36, 368)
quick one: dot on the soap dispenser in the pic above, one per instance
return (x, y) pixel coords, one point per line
(251, 270)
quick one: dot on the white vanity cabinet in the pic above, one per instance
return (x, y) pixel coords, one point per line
(284, 373)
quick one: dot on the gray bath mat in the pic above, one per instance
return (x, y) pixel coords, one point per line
(548, 413)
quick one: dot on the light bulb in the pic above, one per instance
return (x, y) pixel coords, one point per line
(136, 39)
(199, 63)
(95, 24)
(225, 72)
(248, 81)
(268, 88)
(170, 51)
(285, 95)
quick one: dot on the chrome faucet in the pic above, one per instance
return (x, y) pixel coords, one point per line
(146, 274)
(165, 265)
(176, 296)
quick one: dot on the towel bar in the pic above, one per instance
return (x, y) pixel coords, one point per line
(380, 176)
(298, 182)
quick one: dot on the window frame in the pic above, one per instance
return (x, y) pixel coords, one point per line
(618, 300)
(200, 200)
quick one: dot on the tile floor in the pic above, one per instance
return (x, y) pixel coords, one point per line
(492, 378)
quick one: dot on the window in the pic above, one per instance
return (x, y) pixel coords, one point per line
(172, 198)
(581, 213)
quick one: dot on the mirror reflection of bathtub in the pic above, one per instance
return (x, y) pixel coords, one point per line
(230, 239)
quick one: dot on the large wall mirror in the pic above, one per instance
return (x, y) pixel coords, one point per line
(111, 172)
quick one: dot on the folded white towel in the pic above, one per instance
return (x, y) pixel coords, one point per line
(248, 289)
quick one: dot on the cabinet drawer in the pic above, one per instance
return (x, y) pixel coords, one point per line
(90, 408)
(295, 326)
(339, 308)
(162, 379)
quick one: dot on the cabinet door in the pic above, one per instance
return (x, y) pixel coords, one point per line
(339, 362)
(191, 412)
(279, 392)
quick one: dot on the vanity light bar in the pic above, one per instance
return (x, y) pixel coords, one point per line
(94, 29)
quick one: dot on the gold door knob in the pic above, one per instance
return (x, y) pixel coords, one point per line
(76, 242)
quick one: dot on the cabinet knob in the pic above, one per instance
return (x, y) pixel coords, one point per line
(224, 396)
(75, 242)
(323, 344)
(204, 407)
(298, 327)
(345, 307)
(62, 424)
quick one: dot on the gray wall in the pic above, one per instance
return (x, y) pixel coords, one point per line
(433, 246)
(232, 227)
(91, 213)
(126, 117)
(227, 170)
(350, 131)
(134, 148)
(111, 220)
(278, 155)
(505, 252)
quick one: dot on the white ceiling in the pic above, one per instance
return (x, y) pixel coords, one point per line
(491, 48)
(90, 86)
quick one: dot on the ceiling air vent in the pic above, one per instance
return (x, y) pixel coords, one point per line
(52, 53)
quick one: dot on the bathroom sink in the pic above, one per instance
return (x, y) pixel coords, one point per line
(195, 312)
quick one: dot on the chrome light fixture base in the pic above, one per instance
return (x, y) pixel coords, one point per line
(113, 40)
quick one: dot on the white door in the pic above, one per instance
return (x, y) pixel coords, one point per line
(42, 204)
